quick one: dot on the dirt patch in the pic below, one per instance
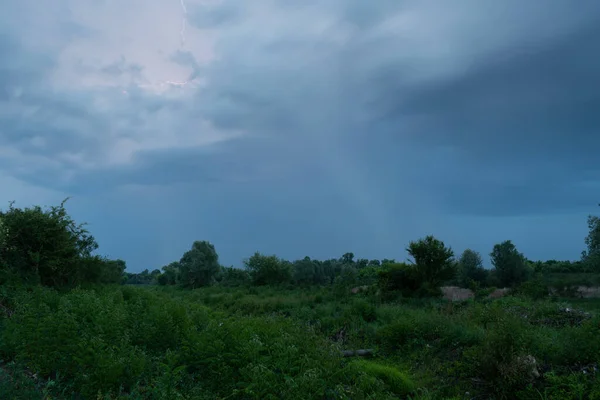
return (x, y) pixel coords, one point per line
(496, 294)
(589, 292)
(454, 293)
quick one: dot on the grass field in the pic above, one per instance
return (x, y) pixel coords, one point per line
(262, 343)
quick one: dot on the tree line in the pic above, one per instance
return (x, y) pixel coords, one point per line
(47, 247)
(432, 265)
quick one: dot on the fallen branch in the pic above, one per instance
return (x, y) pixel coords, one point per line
(359, 353)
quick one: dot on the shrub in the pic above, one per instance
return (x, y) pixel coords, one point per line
(502, 360)
(268, 270)
(399, 277)
(232, 277)
(397, 381)
(535, 289)
(364, 309)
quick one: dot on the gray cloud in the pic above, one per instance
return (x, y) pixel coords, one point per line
(397, 113)
(531, 115)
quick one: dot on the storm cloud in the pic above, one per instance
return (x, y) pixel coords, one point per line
(304, 127)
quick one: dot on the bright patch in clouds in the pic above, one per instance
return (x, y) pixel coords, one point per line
(130, 43)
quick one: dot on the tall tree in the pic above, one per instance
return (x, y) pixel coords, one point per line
(470, 268)
(510, 265)
(199, 265)
(434, 262)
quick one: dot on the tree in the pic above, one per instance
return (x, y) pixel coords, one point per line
(170, 274)
(199, 265)
(231, 276)
(307, 272)
(98, 269)
(374, 263)
(330, 269)
(510, 265)
(433, 261)
(591, 257)
(45, 246)
(362, 263)
(268, 270)
(399, 277)
(112, 272)
(470, 269)
(347, 258)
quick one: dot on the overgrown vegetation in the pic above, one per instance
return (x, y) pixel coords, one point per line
(277, 329)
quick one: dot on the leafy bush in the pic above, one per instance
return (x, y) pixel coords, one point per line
(364, 309)
(268, 270)
(48, 247)
(535, 289)
(232, 277)
(502, 360)
(399, 277)
(397, 381)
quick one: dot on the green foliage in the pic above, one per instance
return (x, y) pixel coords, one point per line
(142, 278)
(309, 272)
(399, 277)
(591, 257)
(48, 247)
(199, 266)
(266, 342)
(364, 309)
(170, 274)
(510, 266)
(433, 265)
(433, 261)
(347, 278)
(268, 270)
(535, 289)
(397, 381)
(470, 270)
(368, 275)
(560, 267)
(136, 343)
(231, 277)
(502, 360)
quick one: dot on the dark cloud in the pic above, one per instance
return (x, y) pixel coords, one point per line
(526, 115)
(370, 123)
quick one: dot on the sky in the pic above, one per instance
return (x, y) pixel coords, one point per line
(304, 127)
